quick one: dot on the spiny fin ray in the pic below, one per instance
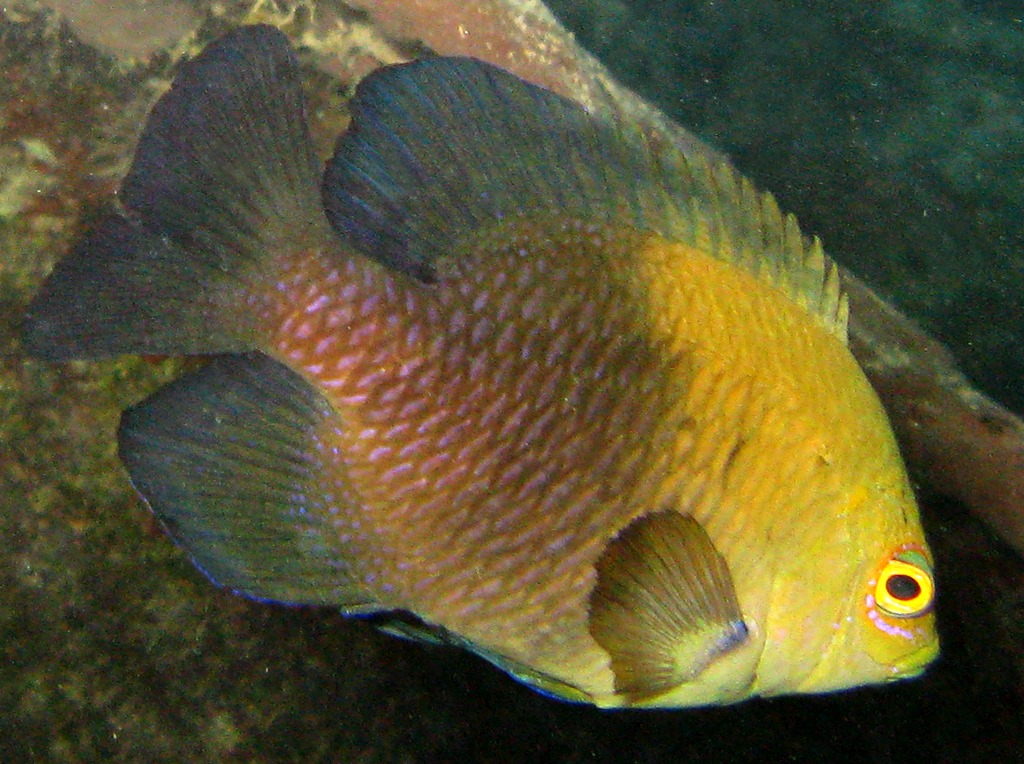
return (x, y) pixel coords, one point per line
(442, 149)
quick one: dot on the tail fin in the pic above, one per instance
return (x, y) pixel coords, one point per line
(224, 175)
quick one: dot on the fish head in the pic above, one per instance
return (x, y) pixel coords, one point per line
(823, 620)
(851, 599)
(790, 466)
(883, 629)
(826, 556)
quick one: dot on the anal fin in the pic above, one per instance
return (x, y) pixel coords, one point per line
(664, 606)
(234, 461)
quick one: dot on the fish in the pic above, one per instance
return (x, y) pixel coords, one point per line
(507, 375)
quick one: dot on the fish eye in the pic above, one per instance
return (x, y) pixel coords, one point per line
(904, 587)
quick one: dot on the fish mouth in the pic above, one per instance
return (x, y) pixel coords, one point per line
(915, 663)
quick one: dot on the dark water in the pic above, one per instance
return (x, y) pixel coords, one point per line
(894, 131)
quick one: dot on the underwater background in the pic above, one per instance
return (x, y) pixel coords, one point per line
(894, 130)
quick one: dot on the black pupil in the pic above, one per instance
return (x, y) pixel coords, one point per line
(902, 587)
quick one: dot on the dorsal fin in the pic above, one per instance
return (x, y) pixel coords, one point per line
(443, 149)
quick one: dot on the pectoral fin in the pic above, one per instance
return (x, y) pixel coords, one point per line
(664, 606)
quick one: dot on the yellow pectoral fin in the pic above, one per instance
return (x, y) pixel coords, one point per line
(664, 606)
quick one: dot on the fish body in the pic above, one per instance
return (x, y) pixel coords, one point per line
(577, 403)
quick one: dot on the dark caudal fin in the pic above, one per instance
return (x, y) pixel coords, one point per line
(125, 289)
(223, 177)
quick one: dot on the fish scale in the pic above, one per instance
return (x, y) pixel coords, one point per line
(533, 494)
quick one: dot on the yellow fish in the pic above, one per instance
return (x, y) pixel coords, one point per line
(573, 400)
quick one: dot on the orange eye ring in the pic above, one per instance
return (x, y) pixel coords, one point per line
(905, 587)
